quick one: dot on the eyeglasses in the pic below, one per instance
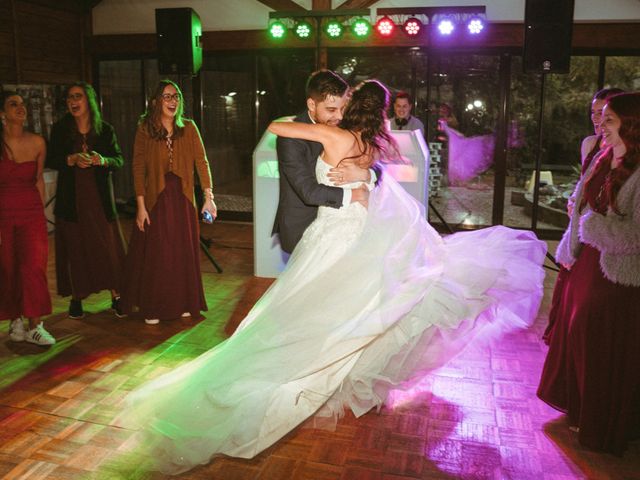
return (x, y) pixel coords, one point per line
(75, 96)
(167, 97)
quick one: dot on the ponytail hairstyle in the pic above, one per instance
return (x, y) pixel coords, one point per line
(366, 114)
(150, 120)
(627, 107)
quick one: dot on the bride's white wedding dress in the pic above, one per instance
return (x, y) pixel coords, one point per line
(369, 299)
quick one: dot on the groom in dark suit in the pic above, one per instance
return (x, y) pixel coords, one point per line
(300, 193)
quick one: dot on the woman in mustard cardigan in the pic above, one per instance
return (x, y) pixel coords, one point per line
(162, 271)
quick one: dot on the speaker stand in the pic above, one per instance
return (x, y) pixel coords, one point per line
(536, 185)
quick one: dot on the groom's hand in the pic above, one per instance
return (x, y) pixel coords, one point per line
(360, 195)
(348, 172)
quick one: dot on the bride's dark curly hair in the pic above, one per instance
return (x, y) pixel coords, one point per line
(366, 114)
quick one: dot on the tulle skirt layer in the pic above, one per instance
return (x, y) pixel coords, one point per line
(370, 300)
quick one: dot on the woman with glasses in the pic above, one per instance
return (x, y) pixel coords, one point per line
(89, 245)
(590, 372)
(23, 229)
(162, 271)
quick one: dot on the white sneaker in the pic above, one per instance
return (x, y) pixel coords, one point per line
(152, 321)
(185, 315)
(17, 333)
(39, 336)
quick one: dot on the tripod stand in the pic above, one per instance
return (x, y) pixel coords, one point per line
(205, 243)
(440, 217)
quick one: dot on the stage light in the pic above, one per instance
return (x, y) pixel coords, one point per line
(333, 29)
(277, 30)
(475, 26)
(303, 30)
(361, 28)
(385, 26)
(446, 27)
(412, 27)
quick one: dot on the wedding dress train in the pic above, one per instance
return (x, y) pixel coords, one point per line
(370, 299)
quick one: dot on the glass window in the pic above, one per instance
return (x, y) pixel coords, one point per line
(622, 72)
(228, 99)
(122, 103)
(565, 123)
(463, 111)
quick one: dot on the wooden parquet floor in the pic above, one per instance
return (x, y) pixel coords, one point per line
(475, 418)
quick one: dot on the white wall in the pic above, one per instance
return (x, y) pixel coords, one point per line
(138, 16)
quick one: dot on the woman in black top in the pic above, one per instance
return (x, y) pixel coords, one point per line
(89, 243)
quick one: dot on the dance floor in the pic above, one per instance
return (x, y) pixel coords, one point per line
(476, 418)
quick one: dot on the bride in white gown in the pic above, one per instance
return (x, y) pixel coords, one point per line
(371, 299)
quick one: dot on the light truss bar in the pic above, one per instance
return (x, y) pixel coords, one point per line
(321, 13)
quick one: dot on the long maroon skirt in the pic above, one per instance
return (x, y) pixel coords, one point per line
(591, 369)
(162, 272)
(556, 302)
(90, 252)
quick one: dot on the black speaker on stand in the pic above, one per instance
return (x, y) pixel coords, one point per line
(179, 34)
(547, 36)
(547, 49)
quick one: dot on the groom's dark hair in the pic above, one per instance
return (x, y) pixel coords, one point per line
(323, 83)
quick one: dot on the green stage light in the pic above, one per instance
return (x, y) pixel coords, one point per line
(303, 30)
(334, 29)
(361, 28)
(277, 30)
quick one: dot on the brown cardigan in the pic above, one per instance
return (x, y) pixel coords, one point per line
(151, 163)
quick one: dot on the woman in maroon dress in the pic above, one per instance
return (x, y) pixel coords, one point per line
(89, 242)
(591, 368)
(162, 271)
(23, 229)
(588, 149)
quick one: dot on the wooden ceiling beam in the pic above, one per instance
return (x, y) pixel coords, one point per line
(356, 4)
(283, 5)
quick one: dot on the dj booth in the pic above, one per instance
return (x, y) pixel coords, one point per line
(268, 258)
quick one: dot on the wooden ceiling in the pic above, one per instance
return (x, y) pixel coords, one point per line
(291, 6)
(78, 6)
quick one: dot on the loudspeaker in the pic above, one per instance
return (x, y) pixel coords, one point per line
(178, 32)
(548, 26)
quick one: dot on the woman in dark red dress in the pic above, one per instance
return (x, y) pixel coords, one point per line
(591, 368)
(23, 229)
(89, 242)
(588, 149)
(162, 270)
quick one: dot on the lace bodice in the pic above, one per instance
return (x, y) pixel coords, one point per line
(322, 171)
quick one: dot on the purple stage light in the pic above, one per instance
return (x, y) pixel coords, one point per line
(445, 27)
(475, 26)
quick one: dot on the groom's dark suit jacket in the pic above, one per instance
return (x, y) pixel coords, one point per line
(300, 193)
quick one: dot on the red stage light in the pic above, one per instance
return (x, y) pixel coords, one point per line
(385, 26)
(412, 27)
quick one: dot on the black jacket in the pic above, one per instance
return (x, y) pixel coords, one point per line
(60, 146)
(300, 193)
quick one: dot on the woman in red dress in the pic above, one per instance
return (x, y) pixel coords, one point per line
(23, 229)
(89, 244)
(591, 368)
(162, 273)
(588, 149)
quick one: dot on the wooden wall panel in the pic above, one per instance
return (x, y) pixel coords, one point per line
(7, 46)
(50, 42)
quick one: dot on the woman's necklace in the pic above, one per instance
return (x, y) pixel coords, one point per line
(84, 146)
(169, 143)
